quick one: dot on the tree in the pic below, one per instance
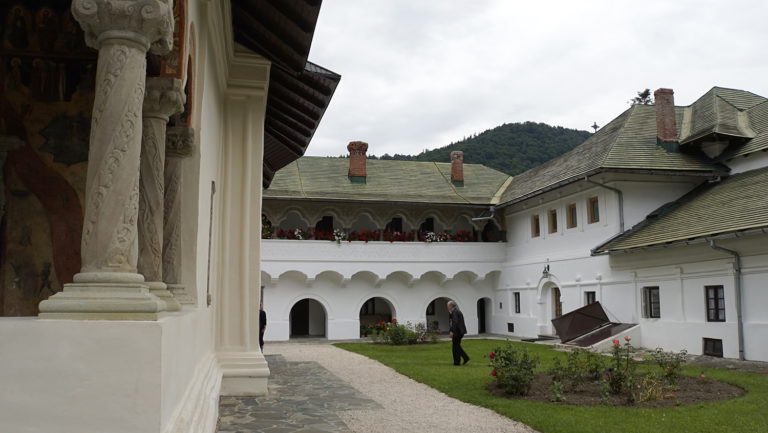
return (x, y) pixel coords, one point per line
(642, 98)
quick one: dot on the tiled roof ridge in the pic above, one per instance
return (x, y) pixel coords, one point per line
(619, 134)
(301, 182)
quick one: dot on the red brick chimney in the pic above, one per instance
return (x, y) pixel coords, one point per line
(457, 168)
(666, 122)
(357, 151)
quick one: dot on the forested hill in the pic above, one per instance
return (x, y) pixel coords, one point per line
(511, 148)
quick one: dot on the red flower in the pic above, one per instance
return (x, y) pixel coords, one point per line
(615, 343)
(382, 323)
(491, 355)
(627, 338)
(493, 373)
(394, 320)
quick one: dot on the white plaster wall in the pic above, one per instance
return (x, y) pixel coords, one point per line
(97, 376)
(209, 151)
(408, 275)
(750, 162)
(641, 198)
(316, 319)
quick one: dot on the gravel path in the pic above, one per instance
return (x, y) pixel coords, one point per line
(408, 406)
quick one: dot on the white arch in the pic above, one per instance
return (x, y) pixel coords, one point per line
(401, 277)
(377, 294)
(331, 276)
(468, 277)
(436, 277)
(366, 277)
(314, 296)
(297, 276)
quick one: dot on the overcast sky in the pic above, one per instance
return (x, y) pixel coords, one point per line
(419, 74)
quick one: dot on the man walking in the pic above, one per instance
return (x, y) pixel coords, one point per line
(457, 330)
(262, 325)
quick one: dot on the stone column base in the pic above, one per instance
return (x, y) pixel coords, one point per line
(244, 373)
(104, 296)
(181, 294)
(159, 289)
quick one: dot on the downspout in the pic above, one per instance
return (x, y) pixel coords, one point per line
(621, 200)
(740, 324)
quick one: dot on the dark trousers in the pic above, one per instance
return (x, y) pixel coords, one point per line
(261, 341)
(458, 352)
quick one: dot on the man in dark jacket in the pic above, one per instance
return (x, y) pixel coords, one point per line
(457, 330)
(262, 325)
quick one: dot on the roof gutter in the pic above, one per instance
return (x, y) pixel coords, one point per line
(738, 281)
(621, 200)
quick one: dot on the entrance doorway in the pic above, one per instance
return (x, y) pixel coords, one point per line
(438, 313)
(558, 305)
(373, 311)
(307, 319)
(483, 307)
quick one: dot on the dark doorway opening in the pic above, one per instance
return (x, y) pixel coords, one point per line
(307, 319)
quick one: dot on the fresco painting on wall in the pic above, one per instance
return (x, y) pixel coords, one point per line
(46, 100)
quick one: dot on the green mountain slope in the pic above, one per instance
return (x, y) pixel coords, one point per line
(511, 148)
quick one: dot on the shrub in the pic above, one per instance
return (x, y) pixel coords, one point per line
(669, 362)
(513, 369)
(621, 373)
(398, 334)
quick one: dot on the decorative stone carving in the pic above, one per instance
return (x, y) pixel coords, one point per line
(179, 144)
(163, 98)
(147, 22)
(108, 286)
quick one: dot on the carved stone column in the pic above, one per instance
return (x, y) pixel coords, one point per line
(108, 285)
(163, 98)
(179, 144)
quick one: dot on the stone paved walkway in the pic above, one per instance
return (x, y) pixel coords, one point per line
(303, 397)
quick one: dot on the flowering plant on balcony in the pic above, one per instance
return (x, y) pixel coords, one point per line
(293, 234)
(266, 228)
(322, 235)
(339, 235)
(429, 237)
(363, 235)
(399, 236)
(462, 236)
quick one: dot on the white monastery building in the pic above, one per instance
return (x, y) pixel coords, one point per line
(661, 216)
(153, 190)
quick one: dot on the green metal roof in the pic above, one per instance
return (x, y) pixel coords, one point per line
(736, 203)
(324, 178)
(626, 143)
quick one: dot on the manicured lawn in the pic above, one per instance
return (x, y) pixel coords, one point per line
(433, 366)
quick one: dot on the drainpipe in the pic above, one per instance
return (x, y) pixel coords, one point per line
(621, 200)
(740, 324)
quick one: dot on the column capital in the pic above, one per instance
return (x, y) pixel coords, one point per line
(179, 141)
(147, 22)
(163, 97)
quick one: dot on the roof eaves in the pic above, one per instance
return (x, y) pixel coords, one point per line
(600, 251)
